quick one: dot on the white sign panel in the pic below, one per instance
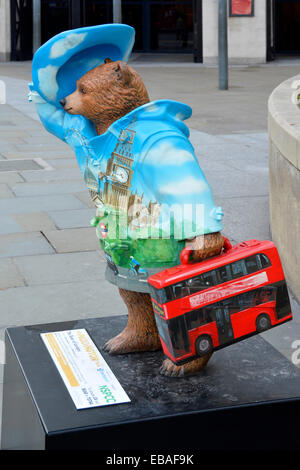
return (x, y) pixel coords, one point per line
(85, 373)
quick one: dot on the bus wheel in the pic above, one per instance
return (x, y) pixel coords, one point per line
(203, 345)
(263, 322)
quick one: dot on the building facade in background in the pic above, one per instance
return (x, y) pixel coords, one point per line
(258, 30)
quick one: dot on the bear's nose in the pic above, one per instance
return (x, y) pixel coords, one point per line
(63, 102)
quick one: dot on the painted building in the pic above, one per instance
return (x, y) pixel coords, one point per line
(258, 30)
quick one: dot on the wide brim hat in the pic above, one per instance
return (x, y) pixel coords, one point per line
(61, 61)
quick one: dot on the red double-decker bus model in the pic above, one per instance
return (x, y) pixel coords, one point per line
(205, 306)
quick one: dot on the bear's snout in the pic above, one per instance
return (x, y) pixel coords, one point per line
(63, 102)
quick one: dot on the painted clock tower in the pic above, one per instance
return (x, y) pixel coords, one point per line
(119, 172)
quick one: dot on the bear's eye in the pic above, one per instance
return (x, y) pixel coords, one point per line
(82, 90)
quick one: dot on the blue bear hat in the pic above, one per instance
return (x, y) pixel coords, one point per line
(61, 61)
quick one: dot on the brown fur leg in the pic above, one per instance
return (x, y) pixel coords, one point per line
(141, 332)
(190, 368)
(205, 247)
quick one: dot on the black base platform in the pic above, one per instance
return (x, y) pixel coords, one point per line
(248, 397)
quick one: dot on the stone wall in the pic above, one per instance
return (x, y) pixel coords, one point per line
(284, 135)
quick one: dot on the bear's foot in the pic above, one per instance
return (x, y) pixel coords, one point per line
(170, 369)
(128, 342)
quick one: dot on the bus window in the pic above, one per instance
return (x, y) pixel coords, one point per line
(161, 295)
(210, 279)
(209, 314)
(246, 300)
(231, 304)
(238, 269)
(195, 318)
(224, 274)
(195, 284)
(283, 306)
(266, 294)
(251, 264)
(180, 290)
(264, 260)
(179, 335)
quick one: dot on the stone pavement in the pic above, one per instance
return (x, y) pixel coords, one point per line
(50, 267)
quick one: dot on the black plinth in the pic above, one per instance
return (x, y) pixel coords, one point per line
(248, 397)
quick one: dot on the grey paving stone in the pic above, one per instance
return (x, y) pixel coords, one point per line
(12, 154)
(245, 218)
(61, 268)
(73, 240)
(21, 134)
(237, 183)
(59, 302)
(41, 203)
(5, 122)
(10, 177)
(9, 275)
(5, 191)
(20, 244)
(11, 139)
(55, 145)
(9, 225)
(36, 189)
(65, 174)
(85, 198)
(34, 222)
(19, 165)
(73, 218)
(63, 162)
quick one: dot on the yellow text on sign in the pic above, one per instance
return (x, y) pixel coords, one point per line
(62, 360)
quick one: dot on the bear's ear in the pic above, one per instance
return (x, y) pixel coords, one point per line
(107, 60)
(123, 72)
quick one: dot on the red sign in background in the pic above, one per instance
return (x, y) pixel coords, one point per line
(241, 7)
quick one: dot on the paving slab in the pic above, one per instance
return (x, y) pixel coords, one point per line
(5, 191)
(85, 198)
(51, 187)
(63, 162)
(20, 165)
(34, 222)
(9, 225)
(245, 218)
(13, 154)
(73, 218)
(69, 301)
(20, 244)
(42, 203)
(61, 268)
(64, 174)
(75, 239)
(10, 177)
(10, 275)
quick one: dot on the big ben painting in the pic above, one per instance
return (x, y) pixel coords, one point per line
(119, 172)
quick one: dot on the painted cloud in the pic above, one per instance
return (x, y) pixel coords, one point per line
(189, 185)
(47, 81)
(167, 154)
(63, 45)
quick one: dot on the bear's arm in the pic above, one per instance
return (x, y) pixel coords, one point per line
(72, 129)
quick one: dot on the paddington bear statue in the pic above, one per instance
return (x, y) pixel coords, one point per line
(139, 166)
